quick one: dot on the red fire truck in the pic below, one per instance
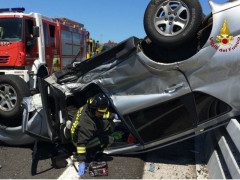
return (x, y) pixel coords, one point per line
(31, 46)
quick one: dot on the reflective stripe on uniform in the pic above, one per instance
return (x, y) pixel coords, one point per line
(75, 123)
(106, 115)
(108, 127)
(81, 150)
(103, 110)
(94, 142)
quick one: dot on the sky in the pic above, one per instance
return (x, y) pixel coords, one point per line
(114, 20)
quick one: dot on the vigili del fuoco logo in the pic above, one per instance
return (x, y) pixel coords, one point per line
(225, 41)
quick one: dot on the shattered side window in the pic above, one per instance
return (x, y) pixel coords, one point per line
(209, 107)
(162, 120)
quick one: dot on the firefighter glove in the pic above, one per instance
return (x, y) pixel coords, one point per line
(81, 168)
(116, 116)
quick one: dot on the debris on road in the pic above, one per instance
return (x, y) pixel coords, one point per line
(202, 171)
(172, 162)
(152, 167)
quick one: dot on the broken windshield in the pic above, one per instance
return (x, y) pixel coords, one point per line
(11, 29)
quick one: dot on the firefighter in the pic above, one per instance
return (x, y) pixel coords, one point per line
(30, 42)
(90, 130)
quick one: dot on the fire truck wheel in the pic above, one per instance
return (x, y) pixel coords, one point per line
(42, 73)
(170, 23)
(12, 90)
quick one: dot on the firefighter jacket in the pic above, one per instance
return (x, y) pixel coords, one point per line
(88, 131)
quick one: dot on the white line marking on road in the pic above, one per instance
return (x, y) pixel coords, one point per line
(70, 173)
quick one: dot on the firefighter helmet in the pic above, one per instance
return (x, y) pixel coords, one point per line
(98, 103)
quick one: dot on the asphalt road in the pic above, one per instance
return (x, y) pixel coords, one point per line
(17, 162)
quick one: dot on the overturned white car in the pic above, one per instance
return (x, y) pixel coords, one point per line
(162, 95)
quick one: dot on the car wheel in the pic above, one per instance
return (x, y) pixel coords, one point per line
(12, 90)
(170, 23)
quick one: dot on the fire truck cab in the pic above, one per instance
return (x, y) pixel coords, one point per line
(31, 46)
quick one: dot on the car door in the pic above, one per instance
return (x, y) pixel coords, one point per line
(51, 46)
(51, 119)
(155, 100)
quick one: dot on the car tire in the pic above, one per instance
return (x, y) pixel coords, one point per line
(170, 23)
(42, 73)
(12, 90)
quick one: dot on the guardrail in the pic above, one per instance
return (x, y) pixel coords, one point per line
(221, 149)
